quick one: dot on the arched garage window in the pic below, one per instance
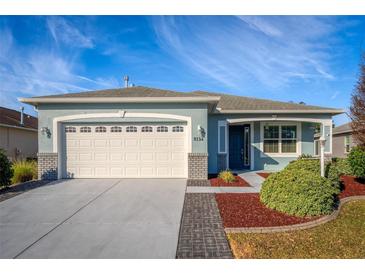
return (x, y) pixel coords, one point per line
(116, 129)
(70, 129)
(100, 129)
(85, 129)
(146, 129)
(162, 129)
(131, 129)
(177, 129)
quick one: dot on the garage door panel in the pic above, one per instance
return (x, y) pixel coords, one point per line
(116, 143)
(162, 156)
(130, 143)
(85, 143)
(147, 171)
(125, 154)
(177, 156)
(85, 156)
(146, 156)
(131, 156)
(131, 172)
(100, 143)
(116, 157)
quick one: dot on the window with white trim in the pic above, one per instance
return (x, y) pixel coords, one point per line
(70, 129)
(280, 139)
(162, 129)
(146, 129)
(316, 148)
(116, 129)
(177, 129)
(347, 143)
(131, 129)
(85, 129)
(100, 129)
(222, 137)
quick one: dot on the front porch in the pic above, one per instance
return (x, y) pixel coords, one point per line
(269, 143)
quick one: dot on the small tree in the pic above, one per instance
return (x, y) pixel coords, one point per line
(6, 171)
(357, 109)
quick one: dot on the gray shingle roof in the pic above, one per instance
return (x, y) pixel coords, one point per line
(137, 91)
(342, 129)
(233, 102)
(226, 103)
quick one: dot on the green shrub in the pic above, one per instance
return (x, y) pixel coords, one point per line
(337, 168)
(5, 169)
(24, 171)
(227, 176)
(356, 159)
(299, 192)
(305, 156)
(312, 165)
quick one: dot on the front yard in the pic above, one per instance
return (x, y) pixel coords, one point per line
(342, 238)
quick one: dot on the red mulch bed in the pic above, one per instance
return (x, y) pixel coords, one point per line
(219, 182)
(352, 186)
(246, 210)
(263, 174)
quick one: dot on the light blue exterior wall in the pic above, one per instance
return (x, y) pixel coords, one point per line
(198, 112)
(266, 163)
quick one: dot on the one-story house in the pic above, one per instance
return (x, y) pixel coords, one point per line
(18, 134)
(343, 140)
(141, 132)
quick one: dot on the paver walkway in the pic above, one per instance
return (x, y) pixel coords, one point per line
(201, 232)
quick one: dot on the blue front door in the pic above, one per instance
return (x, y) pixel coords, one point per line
(239, 147)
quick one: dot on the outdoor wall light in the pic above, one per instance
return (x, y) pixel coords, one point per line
(46, 131)
(201, 131)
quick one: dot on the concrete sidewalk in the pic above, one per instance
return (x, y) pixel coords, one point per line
(250, 177)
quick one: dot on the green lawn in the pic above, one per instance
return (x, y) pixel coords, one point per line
(341, 238)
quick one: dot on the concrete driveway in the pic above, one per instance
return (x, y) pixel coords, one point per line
(94, 218)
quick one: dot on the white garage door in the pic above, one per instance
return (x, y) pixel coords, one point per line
(125, 151)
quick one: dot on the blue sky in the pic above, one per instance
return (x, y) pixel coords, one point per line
(299, 58)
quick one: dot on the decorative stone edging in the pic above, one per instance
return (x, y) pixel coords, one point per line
(301, 226)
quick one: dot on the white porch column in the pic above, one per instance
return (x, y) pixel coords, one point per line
(322, 142)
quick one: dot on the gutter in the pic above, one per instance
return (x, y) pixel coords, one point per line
(73, 100)
(330, 111)
(17, 127)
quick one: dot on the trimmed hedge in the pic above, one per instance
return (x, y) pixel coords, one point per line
(356, 160)
(5, 169)
(337, 168)
(308, 164)
(299, 192)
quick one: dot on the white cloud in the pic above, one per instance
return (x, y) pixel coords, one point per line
(63, 31)
(234, 51)
(39, 71)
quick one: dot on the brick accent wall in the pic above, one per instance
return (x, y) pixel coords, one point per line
(222, 161)
(198, 166)
(47, 166)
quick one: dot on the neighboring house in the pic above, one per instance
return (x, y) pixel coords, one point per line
(140, 132)
(342, 140)
(18, 134)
